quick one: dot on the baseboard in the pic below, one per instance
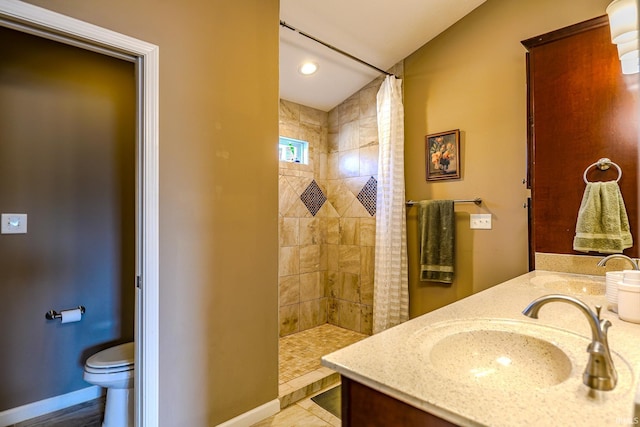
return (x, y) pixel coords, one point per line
(46, 406)
(253, 416)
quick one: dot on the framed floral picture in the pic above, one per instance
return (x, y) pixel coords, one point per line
(442, 155)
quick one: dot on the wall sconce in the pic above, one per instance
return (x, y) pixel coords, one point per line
(623, 20)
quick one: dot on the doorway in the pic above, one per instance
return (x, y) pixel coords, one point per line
(49, 25)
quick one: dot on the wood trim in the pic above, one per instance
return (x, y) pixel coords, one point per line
(562, 33)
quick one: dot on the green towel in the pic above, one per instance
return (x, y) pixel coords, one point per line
(602, 225)
(436, 222)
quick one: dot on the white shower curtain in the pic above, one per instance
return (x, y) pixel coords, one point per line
(391, 283)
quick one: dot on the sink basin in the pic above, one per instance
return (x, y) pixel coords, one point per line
(573, 286)
(502, 354)
(495, 358)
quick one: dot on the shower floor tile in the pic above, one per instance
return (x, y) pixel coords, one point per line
(301, 373)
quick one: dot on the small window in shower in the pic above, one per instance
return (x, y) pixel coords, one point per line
(293, 150)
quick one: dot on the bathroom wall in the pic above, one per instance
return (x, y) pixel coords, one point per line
(67, 160)
(218, 194)
(472, 77)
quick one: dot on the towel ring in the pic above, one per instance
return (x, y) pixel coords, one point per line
(603, 164)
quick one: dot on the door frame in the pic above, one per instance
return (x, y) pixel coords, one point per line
(44, 23)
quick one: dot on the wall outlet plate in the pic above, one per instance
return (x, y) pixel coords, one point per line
(13, 223)
(480, 221)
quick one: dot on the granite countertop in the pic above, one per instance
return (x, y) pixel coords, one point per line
(396, 362)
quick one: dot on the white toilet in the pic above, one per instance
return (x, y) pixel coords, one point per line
(113, 369)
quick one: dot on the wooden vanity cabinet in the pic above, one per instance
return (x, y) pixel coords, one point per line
(363, 406)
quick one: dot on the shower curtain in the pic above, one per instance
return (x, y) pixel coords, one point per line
(391, 284)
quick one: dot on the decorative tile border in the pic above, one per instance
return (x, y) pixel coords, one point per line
(313, 197)
(367, 196)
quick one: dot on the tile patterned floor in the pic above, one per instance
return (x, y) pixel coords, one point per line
(302, 376)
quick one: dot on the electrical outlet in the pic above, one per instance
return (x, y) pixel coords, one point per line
(481, 221)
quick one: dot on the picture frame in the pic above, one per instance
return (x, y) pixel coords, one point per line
(442, 155)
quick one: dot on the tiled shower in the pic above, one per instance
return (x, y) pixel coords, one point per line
(327, 215)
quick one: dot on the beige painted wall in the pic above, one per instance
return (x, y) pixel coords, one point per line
(218, 198)
(472, 78)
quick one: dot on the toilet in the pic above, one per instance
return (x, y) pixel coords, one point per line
(113, 369)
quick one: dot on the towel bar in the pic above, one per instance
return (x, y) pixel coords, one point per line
(477, 201)
(603, 164)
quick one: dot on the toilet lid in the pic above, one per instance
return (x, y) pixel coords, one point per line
(120, 355)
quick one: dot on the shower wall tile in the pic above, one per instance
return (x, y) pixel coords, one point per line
(339, 196)
(349, 231)
(333, 166)
(355, 184)
(309, 258)
(289, 289)
(324, 259)
(349, 163)
(366, 319)
(311, 314)
(349, 110)
(349, 315)
(369, 161)
(311, 133)
(333, 231)
(303, 258)
(349, 136)
(289, 112)
(322, 166)
(368, 102)
(289, 316)
(367, 231)
(357, 210)
(310, 286)
(333, 119)
(333, 142)
(349, 259)
(288, 231)
(333, 256)
(349, 284)
(310, 233)
(289, 260)
(289, 131)
(367, 268)
(313, 116)
(333, 289)
(368, 131)
(332, 311)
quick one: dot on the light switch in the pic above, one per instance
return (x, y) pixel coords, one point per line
(14, 223)
(481, 221)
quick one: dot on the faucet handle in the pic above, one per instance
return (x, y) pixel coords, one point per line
(598, 308)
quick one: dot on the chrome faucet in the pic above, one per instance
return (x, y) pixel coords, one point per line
(604, 260)
(600, 374)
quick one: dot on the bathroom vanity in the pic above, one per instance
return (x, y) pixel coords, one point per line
(480, 361)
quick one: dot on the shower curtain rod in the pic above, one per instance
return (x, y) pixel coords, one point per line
(340, 51)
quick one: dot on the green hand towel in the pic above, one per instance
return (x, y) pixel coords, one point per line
(602, 225)
(436, 222)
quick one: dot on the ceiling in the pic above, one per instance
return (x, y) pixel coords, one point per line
(380, 32)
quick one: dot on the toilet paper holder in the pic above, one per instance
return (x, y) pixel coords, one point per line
(52, 314)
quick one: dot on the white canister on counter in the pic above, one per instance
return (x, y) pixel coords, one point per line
(611, 290)
(629, 296)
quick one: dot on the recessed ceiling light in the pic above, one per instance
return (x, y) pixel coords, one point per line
(308, 68)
